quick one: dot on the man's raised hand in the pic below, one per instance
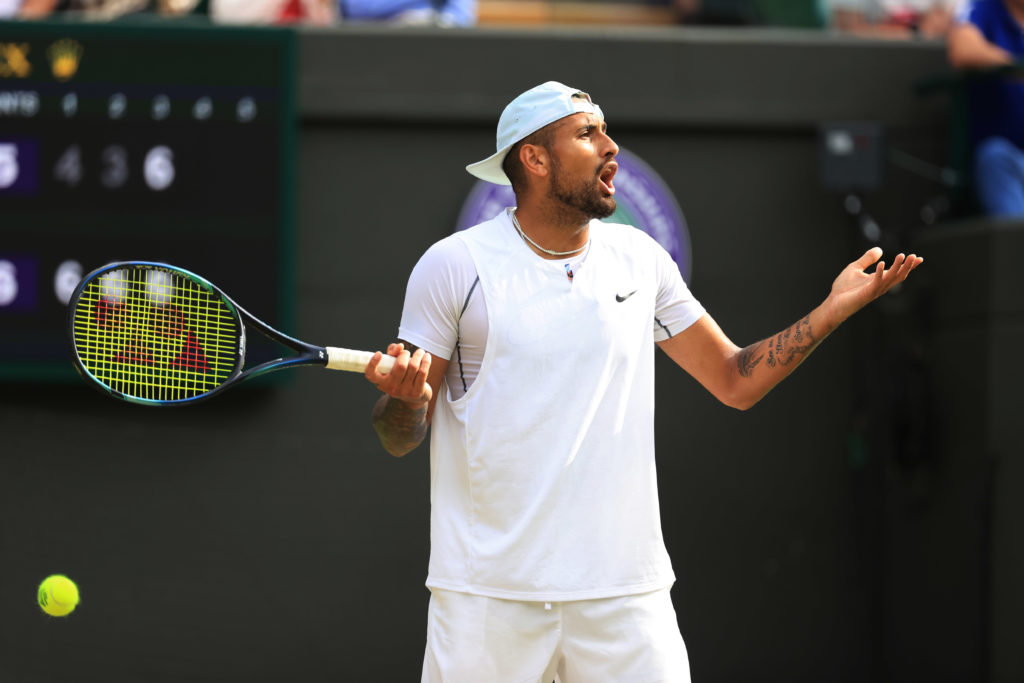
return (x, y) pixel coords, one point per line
(859, 284)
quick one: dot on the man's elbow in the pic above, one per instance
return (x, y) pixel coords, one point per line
(741, 404)
(393, 451)
(397, 448)
(955, 57)
(740, 400)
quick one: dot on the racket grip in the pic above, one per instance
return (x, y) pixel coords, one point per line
(355, 361)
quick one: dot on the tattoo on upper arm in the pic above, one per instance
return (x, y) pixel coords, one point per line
(785, 347)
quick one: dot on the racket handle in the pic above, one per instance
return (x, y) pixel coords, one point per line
(355, 361)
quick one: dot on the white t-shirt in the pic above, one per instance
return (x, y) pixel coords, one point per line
(543, 483)
(445, 314)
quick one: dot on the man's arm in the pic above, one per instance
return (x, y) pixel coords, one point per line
(967, 48)
(401, 416)
(740, 377)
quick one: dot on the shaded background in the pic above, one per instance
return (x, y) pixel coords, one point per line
(859, 524)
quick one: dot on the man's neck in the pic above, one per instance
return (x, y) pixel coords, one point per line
(552, 231)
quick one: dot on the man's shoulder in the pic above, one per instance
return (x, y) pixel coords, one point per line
(611, 230)
(620, 233)
(489, 224)
(448, 254)
(454, 253)
(493, 232)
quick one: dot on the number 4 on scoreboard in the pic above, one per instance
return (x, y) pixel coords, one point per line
(68, 169)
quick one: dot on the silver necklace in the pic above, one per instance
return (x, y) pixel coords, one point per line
(526, 237)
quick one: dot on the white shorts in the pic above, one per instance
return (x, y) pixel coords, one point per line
(475, 639)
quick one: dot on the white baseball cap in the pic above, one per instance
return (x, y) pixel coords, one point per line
(526, 114)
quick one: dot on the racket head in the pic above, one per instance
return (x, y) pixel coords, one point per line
(154, 334)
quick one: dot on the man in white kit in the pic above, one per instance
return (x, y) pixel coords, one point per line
(528, 346)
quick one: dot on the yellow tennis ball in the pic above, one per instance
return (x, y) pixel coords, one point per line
(58, 595)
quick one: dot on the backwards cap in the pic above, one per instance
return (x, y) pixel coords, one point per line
(526, 114)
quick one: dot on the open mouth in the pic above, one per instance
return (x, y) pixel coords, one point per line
(606, 177)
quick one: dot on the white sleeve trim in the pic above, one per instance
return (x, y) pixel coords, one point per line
(676, 307)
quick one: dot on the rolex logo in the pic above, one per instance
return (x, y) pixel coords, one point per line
(65, 56)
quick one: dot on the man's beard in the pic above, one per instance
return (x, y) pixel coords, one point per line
(583, 196)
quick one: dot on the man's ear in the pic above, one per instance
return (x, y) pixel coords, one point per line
(535, 159)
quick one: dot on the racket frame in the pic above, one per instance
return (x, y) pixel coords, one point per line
(307, 354)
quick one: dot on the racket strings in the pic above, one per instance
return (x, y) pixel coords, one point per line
(154, 334)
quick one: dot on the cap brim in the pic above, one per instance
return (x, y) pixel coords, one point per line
(490, 168)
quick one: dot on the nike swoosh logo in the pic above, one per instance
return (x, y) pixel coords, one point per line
(622, 297)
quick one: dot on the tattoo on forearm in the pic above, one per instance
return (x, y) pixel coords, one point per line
(787, 346)
(749, 358)
(401, 426)
(797, 341)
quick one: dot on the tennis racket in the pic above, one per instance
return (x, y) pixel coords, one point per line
(159, 335)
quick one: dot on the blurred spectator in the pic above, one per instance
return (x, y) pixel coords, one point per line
(989, 35)
(795, 13)
(33, 9)
(318, 12)
(428, 12)
(104, 9)
(892, 18)
(715, 12)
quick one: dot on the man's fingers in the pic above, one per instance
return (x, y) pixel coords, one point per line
(897, 263)
(913, 261)
(901, 268)
(392, 369)
(869, 257)
(406, 379)
(379, 366)
(417, 366)
(371, 368)
(424, 369)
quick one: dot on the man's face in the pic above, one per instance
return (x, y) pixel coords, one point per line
(583, 165)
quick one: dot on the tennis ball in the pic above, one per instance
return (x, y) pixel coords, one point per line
(58, 595)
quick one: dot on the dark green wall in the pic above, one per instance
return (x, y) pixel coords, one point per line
(265, 536)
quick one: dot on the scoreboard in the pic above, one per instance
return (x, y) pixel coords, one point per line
(154, 140)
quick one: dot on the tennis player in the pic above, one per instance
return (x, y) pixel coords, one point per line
(528, 346)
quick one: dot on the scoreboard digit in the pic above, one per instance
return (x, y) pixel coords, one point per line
(159, 141)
